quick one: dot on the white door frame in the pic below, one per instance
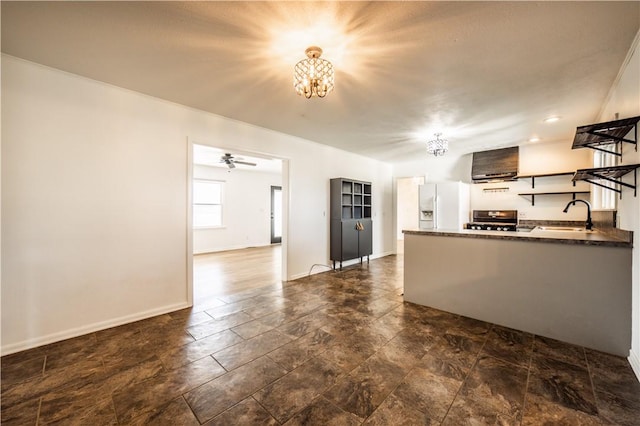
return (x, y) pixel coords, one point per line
(285, 207)
(272, 222)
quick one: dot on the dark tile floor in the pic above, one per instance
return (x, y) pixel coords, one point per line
(338, 348)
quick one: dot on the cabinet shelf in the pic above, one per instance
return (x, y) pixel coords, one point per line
(596, 136)
(534, 194)
(611, 174)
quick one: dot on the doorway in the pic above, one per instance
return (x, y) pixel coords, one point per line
(276, 214)
(245, 231)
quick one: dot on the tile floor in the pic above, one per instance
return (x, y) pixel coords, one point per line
(338, 348)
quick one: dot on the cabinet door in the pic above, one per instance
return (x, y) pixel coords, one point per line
(365, 238)
(336, 239)
(350, 237)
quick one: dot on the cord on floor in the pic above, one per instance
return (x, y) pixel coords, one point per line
(318, 264)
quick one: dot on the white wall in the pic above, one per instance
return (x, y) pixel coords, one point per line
(624, 99)
(436, 169)
(94, 209)
(537, 158)
(246, 209)
(431, 169)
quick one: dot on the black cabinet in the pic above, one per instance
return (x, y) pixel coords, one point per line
(351, 225)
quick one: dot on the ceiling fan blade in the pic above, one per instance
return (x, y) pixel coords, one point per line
(245, 163)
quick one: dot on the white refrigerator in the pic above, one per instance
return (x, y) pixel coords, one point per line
(443, 205)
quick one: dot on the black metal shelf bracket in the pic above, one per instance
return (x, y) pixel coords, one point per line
(612, 174)
(617, 152)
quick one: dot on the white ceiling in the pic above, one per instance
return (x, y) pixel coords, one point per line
(210, 156)
(485, 74)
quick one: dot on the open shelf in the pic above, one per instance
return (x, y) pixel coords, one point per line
(545, 175)
(595, 136)
(534, 194)
(533, 177)
(611, 174)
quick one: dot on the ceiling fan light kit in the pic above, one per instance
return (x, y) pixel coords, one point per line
(231, 161)
(313, 76)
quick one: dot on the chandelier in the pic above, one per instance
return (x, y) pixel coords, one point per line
(437, 146)
(313, 76)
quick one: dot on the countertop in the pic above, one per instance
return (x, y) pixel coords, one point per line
(594, 237)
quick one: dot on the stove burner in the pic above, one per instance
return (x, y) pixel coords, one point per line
(491, 226)
(494, 220)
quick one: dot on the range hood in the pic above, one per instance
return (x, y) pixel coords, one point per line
(495, 165)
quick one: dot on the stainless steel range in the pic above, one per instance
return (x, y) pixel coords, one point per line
(494, 220)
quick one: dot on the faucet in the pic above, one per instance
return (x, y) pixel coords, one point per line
(589, 224)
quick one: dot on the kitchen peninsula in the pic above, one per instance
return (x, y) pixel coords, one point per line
(570, 286)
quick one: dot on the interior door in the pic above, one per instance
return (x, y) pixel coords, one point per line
(276, 214)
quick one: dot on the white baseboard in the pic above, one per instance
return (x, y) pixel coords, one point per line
(634, 360)
(385, 254)
(237, 247)
(86, 329)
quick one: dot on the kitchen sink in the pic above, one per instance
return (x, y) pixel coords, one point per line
(561, 228)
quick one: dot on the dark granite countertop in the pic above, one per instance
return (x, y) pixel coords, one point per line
(594, 237)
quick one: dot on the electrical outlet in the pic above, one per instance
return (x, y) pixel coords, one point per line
(522, 214)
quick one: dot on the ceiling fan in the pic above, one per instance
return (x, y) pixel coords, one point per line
(231, 161)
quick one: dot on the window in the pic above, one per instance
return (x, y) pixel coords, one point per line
(207, 203)
(604, 198)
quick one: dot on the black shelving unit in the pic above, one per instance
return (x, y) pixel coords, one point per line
(351, 235)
